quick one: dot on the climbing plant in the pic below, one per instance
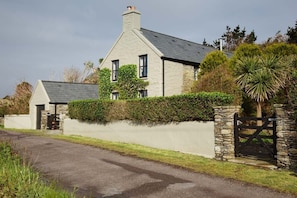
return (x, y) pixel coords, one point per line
(105, 86)
(128, 84)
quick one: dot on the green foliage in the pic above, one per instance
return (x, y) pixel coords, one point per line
(260, 77)
(220, 79)
(88, 110)
(101, 111)
(281, 49)
(128, 83)
(190, 107)
(150, 110)
(292, 34)
(17, 179)
(244, 50)
(212, 60)
(105, 86)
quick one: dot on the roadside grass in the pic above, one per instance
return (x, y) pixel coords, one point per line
(279, 180)
(18, 179)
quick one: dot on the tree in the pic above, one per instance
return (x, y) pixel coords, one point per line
(245, 50)
(233, 38)
(281, 49)
(206, 44)
(73, 75)
(128, 83)
(19, 102)
(260, 77)
(278, 38)
(88, 75)
(292, 34)
(211, 61)
(250, 38)
(5, 103)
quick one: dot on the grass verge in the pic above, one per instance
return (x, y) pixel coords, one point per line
(280, 180)
(18, 179)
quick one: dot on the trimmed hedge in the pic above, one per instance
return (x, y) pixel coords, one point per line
(179, 108)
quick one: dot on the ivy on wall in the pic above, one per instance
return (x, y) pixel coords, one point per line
(128, 84)
(105, 86)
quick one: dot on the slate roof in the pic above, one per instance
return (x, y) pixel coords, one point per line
(177, 49)
(64, 92)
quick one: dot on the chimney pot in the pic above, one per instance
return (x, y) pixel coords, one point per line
(131, 7)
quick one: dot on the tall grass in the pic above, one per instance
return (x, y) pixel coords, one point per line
(18, 179)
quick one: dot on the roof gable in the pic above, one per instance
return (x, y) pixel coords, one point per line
(176, 48)
(64, 92)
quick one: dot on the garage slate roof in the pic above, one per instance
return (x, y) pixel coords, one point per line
(177, 49)
(64, 92)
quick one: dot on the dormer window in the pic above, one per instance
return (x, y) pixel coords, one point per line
(143, 66)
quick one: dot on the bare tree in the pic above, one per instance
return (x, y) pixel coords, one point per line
(88, 75)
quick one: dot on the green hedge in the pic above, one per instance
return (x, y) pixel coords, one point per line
(190, 107)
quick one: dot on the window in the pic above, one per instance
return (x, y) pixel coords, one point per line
(115, 70)
(115, 95)
(196, 71)
(142, 93)
(143, 66)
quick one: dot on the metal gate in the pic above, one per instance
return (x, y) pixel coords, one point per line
(254, 139)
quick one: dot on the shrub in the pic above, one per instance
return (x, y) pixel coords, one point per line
(190, 107)
(220, 79)
(212, 60)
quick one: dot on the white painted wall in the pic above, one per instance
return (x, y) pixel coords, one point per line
(17, 121)
(127, 50)
(187, 137)
(39, 97)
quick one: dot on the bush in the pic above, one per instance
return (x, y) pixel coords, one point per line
(190, 107)
(220, 79)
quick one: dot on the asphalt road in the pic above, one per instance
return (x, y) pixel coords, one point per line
(101, 173)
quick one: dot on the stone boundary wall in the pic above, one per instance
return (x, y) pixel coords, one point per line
(187, 137)
(286, 131)
(224, 132)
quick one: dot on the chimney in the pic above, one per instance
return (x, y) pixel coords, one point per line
(131, 19)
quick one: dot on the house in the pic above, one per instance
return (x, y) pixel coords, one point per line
(170, 64)
(50, 98)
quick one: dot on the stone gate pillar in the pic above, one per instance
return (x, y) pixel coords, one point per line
(286, 142)
(224, 132)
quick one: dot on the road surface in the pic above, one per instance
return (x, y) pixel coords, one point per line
(100, 173)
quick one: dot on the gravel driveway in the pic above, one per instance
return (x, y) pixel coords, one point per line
(101, 173)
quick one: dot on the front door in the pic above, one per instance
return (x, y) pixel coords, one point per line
(39, 108)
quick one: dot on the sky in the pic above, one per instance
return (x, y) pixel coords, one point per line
(40, 39)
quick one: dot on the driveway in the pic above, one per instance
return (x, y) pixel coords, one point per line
(101, 173)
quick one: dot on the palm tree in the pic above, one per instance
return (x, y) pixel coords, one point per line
(261, 77)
